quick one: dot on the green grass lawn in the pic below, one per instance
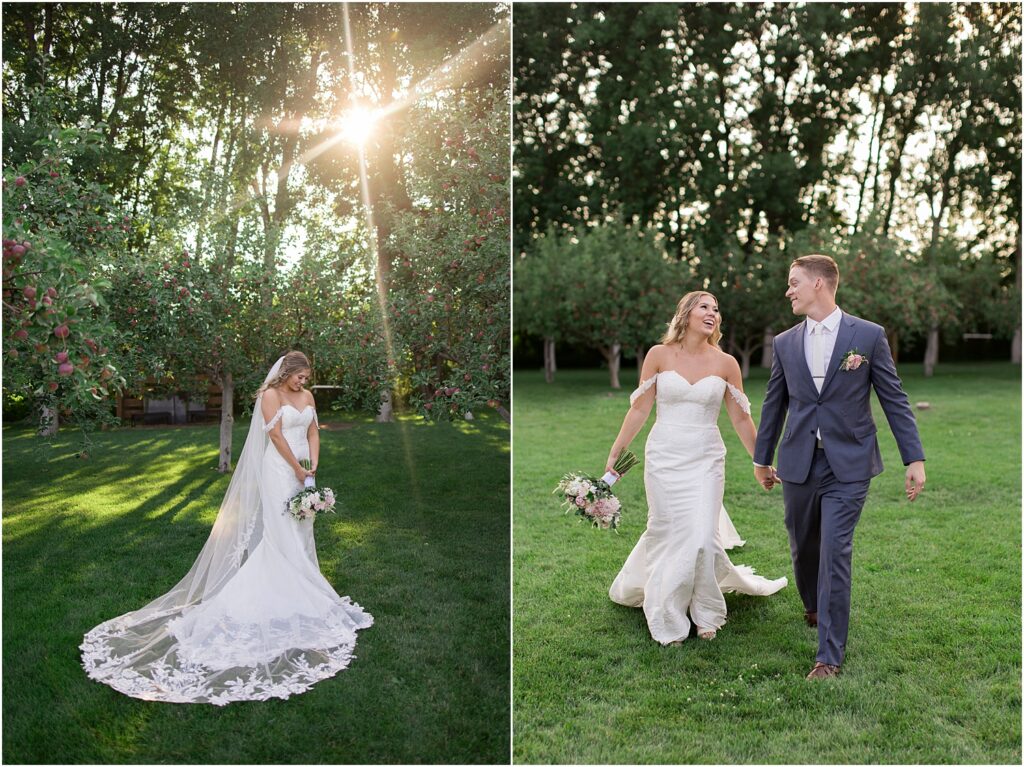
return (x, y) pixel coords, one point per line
(932, 671)
(423, 544)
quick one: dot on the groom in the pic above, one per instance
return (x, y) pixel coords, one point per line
(823, 372)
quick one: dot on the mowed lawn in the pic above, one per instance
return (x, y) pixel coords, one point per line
(932, 672)
(422, 543)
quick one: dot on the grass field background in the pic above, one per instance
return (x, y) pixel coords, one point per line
(932, 672)
(419, 545)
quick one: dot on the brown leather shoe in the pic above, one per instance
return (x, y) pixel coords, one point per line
(811, 618)
(823, 671)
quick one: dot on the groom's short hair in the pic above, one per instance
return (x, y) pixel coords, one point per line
(820, 266)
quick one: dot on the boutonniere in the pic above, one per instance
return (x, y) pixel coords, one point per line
(852, 360)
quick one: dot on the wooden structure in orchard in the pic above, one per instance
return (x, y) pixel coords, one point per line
(150, 408)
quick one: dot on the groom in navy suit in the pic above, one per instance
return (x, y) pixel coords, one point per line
(823, 371)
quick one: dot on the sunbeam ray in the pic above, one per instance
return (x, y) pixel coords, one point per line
(382, 297)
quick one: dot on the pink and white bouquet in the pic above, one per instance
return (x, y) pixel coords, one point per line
(591, 498)
(311, 500)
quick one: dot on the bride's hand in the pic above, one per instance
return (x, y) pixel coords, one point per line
(301, 473)
(613, 456)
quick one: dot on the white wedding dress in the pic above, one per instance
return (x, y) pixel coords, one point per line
(254, 618)
(678, 570)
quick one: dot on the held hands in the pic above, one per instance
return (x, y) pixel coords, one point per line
(301, 473)
(766, 477)
(915, 479)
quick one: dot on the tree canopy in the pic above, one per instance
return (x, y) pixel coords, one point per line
(731, 129)
(265, 177)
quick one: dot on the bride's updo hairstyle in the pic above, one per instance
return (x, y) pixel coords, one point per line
(293, 362)
(677, 327)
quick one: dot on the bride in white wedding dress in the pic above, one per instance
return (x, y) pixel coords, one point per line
(254, 618)
(678, 570)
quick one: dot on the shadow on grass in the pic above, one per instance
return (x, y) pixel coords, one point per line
(85, 541)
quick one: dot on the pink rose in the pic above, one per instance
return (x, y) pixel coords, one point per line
(853, 361)
(581, 501)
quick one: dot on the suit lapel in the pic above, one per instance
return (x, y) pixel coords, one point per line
(844, 341)
(801, 358)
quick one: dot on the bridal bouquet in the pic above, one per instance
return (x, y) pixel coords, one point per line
(311, 500)
(592, 498)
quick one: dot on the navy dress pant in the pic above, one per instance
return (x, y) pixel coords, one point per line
(821, 514)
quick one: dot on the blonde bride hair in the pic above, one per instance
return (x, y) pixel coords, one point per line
(677, 327)
(292, 363)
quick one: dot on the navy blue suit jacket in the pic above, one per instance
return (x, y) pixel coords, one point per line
(842, 411)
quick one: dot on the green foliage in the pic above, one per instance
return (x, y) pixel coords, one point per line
(730, 129)
(332, 312)
(220, 134)
(541, 288)
(598, 286)
(187, 319)
(448, 304)
(58, 230)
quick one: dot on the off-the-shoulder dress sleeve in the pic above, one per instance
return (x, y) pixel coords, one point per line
(315, 419)
(740, 397)
(642, 388)
(274, 420)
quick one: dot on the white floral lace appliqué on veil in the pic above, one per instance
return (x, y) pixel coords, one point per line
(254, 618)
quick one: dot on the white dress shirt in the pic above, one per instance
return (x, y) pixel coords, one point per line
(830, 327)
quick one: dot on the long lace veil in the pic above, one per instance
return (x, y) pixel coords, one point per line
(237, 529)
(235, 534)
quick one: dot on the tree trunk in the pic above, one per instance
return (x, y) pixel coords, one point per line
(549, 360)
(384, 187)
(208, 177)
(1015, 346)
(47, 29)
(613, 356)
(641, 355)
(745, 354)
(768, 348)
(894, 344)
(879, 107)
(386, 413)
(227, 421)
(49, 421)
(931, 351)
(895, 172)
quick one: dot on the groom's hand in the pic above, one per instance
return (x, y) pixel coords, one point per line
(766, 476)
(915, 479)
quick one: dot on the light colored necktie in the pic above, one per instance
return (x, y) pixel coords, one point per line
(818, 355)
(818, 361)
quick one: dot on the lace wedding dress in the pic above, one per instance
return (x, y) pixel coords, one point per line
(254, 618)
(678, 570)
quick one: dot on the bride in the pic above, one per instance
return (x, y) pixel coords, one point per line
(254, 618)
(678, 569)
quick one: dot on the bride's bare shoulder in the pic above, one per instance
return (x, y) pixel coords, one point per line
(728, 365)
(659, 352)
(270, 403)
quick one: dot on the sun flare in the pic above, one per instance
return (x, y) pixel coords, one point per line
(356, 125)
